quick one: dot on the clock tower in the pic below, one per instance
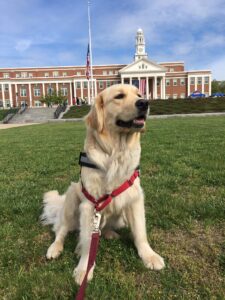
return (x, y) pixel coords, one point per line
(140, 46)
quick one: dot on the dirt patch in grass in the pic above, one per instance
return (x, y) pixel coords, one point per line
(193, 261)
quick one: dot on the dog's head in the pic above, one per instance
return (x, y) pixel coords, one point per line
(119, 108)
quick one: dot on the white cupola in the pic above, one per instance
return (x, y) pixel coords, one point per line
(140, 45)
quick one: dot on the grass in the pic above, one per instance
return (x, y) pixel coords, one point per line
(183, 175)
(166, 107)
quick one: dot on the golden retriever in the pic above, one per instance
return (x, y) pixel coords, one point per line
(112, 144)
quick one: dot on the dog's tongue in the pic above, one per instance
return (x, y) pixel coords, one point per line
(139, 121)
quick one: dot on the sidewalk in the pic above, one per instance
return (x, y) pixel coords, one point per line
(7, 126)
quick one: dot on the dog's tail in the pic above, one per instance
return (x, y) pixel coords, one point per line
(53, 209)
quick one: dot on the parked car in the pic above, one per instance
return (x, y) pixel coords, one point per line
(218, 94)
(196, 94)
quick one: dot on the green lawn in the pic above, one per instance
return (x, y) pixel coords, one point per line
(183, 175)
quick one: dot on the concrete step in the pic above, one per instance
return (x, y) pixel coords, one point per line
(34, 115)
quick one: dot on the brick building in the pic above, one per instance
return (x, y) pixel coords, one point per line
(157, 80)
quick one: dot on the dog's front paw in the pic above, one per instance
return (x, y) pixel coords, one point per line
(79, 275)
(54, 250)
(154, 262)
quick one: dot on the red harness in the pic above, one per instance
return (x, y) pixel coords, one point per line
(104, 200)
(100, 204)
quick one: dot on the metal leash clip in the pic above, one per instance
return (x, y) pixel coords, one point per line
(96, 222)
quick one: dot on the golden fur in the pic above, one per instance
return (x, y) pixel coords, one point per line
(116, 151)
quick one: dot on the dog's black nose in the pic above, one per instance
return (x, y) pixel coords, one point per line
(142, 104)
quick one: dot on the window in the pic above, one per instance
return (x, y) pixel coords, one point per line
(206, 80)
(108, 83)
(55, 74)
(110, 72)
(46, 74)
(23, 92)
(158, 82)
(101, 85)
(64, 91)
(78, 85)
(182, 81)
(30, 75)
(6, 87)
(79, 73)
(37, 92)
(37, 103)
(167, 82)
(168, 96)
(85, 85)
(50, 90)
(116, 72)
(24, 74)
(171, 69)
(5, 75)
(174, 96)
(192, 80)
(104, 72)
(174, 82)
(64, 74)
(17, 75)
(199, 80)
(182, 95)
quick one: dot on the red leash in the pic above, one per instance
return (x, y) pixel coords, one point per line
(100, 204)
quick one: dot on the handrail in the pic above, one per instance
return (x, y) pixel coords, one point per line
(60, 108)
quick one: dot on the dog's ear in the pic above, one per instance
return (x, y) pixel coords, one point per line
(95, 118)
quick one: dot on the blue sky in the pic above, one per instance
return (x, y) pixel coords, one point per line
(51, 33)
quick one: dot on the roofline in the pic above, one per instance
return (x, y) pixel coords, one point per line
(59, 67)
(172, 62)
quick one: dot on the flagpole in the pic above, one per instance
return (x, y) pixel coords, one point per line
(89, 33)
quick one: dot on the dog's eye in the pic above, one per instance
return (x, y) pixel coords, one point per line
(139, 95)
(120, 96)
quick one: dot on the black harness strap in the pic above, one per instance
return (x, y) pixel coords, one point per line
(85, 161)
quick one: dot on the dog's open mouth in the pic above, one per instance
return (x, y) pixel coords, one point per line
(138, 122)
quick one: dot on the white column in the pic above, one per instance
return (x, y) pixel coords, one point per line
(16, 91)
(130, 80)
(161, 88)
(30, 94)
(139, 81)
(147, 88)
(3, 95)
(10, 95)
(71, 94)
(188, 87)
(81, 89)
(196, 84)
(164, 87)
(57, 88)
(155, 88)
(210, 85)
(203, 84)
(122, 80)
(75, 90)
(43, 88)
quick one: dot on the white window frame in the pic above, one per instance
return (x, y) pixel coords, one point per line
(5, 75)
(23, 74)
(206, 80)
(192, 80)
(23, 92)
(182, 95)
(182, 81)
(174, 96)
(64, 91)
(37, 92)
(46, 74)
(199, 80)
(101, 84)
(64, 74)
(174, 81)
(104, 73)
(55, 73)
(167, 82)
(108, 83)
(78, 84)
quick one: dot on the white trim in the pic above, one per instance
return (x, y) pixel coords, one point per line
(71, 95)
(30, 95)
(10, 95)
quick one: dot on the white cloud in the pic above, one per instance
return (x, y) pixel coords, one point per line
(23, 45)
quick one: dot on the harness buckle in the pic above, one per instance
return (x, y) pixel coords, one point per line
(96, 222)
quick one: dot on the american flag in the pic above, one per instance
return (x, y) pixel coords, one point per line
(88, 63)
(142, 87)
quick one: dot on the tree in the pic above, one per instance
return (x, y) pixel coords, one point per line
(218, 86)
(54, 98)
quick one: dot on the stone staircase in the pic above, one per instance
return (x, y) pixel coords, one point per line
(34, 115)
